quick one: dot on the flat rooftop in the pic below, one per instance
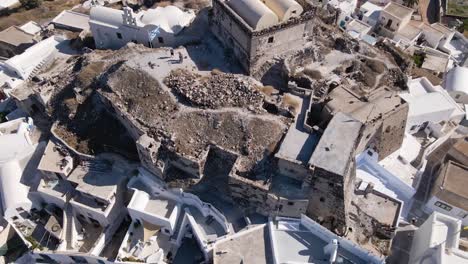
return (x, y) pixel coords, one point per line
(384, 209)
(452, 188)
(238, 248)
(160, 207)
(97, 178)
(72, 20)
(398, 10)
(52, 158)
(336, 146)
(298, 144)
(294, 243)
(16, 37)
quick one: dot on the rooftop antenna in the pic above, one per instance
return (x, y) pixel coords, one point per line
(332, 250)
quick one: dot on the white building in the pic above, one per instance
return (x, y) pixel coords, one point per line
(369, 13)
(430, 106)
(112, 28)
(438, 241)
(17, 149)
(456, 84)
(5, 4)
(449, 194)
(305, 241)
(153, 210)
(162, 218)
(394, 175)
(19, 68)
(393, 18)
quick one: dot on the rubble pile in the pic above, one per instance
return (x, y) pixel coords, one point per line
(214, 91)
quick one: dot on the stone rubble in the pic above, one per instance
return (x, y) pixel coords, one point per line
(217, 90)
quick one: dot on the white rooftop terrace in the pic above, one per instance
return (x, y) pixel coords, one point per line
(305, 241)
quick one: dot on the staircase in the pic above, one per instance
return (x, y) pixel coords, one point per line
(69, 226)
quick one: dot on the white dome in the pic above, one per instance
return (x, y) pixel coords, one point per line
(170, 18)
(284, 9)
(255, 13)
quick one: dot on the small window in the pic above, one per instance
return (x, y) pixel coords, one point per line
(444, 206)
(462, 215)
(290, 203)
(271, 39)
(119, 36)
(160, 40)
(294, 12)
(322, 199)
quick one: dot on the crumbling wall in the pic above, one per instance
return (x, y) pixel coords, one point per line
(326, 198)
(148, 149)
(254, 48)
(251, 195)
(192, 166)
(126, 120)
(292, 168)
(231, 31)
(392, 132)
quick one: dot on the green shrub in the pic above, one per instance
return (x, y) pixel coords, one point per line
(30, 4)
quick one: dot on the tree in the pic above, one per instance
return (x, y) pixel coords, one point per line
(30, 4)
(411, 3)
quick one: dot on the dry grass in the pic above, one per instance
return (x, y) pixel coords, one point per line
(268, 90)
(163, 4)
(47, 11)
(314, 74)
(89, 72)
(291, 103)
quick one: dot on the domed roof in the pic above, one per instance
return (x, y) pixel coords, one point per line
(254, 13)
(284, 9)
(170, 18)
(456, 80)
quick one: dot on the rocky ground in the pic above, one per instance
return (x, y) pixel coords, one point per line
(214, 91)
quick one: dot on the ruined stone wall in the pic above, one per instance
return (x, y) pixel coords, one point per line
(292, 169)
(392, 132)
(384, 135)
(253, 48)
(251, 195)
(148, 153)
(291, 207)
(277, 41)
(327, 198)
(127, 121)
(232, 32)
(190, 165)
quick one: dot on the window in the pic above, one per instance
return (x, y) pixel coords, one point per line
(271, 39)
(119, 36)
(322, 199)
(462, 215)
(160, 40)
(446, 207)
(290, 203)
(78, 259)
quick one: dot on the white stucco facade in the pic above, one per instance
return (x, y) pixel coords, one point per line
(429, 104)
(15, 153)
(112, 29)
(437, 241)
